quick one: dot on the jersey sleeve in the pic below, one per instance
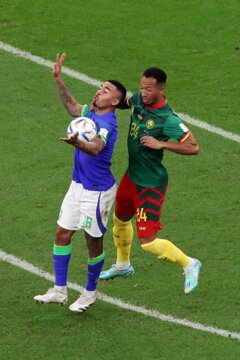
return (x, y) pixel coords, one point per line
(175, 129)
(105, 131)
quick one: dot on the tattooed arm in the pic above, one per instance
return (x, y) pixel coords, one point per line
(69, 102)
(93, 147)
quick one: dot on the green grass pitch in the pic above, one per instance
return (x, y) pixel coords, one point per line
(197, 43)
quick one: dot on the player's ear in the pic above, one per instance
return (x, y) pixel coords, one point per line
(162, 86)
(115, 102)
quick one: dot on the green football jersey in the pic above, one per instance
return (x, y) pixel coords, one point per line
(145, 164)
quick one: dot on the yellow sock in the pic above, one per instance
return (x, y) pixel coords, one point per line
(122, 235)
(166, 250)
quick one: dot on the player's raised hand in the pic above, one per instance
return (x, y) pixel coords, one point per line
(58, 65)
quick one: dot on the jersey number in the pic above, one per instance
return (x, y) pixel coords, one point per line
(141, 215)
(134, 130)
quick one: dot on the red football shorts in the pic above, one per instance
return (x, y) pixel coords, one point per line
(146, 203)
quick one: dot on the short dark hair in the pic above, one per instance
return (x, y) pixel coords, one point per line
(156, 73)
(121, 88)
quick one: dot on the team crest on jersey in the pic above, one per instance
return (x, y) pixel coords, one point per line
(150, 124)
(103, 133)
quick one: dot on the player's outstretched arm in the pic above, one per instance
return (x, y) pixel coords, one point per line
(69, 102)
(187, 147)
(93, 147)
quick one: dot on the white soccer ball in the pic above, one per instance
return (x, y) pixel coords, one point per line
(85, 127)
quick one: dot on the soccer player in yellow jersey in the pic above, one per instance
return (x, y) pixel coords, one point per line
(143, 186)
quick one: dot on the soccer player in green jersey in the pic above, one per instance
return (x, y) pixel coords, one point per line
(143, 187)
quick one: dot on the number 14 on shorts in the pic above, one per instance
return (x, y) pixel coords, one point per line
(141, 215)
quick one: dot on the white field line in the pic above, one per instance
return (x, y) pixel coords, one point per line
(118, 302)
(88, 80)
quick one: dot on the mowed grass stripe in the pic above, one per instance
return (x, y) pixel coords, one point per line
(118, 302)
(88, 80)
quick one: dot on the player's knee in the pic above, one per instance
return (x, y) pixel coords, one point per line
(121, 220)
(95, 245)
(122, 232)
(63, 236)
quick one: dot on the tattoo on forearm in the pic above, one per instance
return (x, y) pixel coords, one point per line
(69, 101)
(92, 148)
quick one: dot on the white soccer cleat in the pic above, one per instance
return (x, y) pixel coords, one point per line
(191, 276)
(53, 295)
(86, 299)
(115, 272)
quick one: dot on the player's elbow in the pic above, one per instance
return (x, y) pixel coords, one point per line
(196, 150)
(74, 109)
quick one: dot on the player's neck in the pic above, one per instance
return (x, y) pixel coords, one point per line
(104, 111)
(160, 103)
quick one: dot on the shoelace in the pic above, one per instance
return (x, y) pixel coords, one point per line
(114, 266)
(84, 296)
(54, 291)
(51, 290)
(188, 272)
